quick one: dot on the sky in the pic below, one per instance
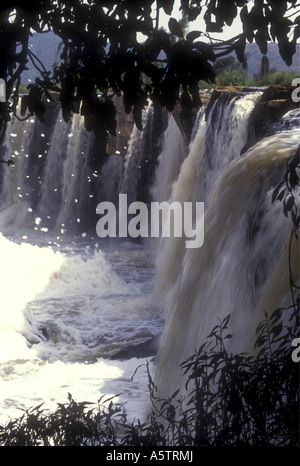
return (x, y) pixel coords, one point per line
(199, 25)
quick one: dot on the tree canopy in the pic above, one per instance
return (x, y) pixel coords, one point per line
(110, 46)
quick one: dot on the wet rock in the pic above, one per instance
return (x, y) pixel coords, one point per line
(118, 144)
(274, 102)
(143, 350)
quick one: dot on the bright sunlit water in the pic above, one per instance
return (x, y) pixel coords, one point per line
(64, 312)
(71, 302)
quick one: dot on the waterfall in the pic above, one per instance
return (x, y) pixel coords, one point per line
(142, 154)
(242, 268)
(75, 176)
(15, 181)
(217, 142)
(170, 160)
(51, 189)
(60, 175)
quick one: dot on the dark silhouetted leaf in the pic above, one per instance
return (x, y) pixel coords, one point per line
(206, 50)
(40, 110)
(261, 38)
(276, 191)
(193, 13)
(191, 36)
(194, 91)
(24, 104)
(167, 6)
(175, 27)
(240, 49)
(288, 205)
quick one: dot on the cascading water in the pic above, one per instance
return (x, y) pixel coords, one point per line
(169, 162)
(51, 188)
(242, 269)
(70, 301)
(216, 143)
(14, 185)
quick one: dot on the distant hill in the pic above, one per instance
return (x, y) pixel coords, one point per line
(254, 57)
(45, 47)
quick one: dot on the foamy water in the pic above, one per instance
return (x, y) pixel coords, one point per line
(67, 306)
(63, 314)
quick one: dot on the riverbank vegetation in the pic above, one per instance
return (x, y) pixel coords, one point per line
(229, 72)
(231, 399)
(102, 50)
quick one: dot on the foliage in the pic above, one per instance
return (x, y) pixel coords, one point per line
(232, 399)
(226, 64)
(240, 77)
(234, 78)
(102, 51)
(23, 89)
(282, 77)
(288, 193)
(229, 72)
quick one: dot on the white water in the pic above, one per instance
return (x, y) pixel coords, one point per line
(169, 162)
(242, 268)
(69, 301)
(63, 314)
(215, 145)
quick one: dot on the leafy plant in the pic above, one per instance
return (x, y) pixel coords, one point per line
(273, 77)
(288, 193)
(230, 399)
(234, 78)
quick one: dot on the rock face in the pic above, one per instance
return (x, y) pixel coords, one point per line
(143, 350)
(185, 119)
(234, 90)
(118, 144)
(114, 144)
(274, 103)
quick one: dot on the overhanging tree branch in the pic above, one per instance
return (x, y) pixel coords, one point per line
(102, 51)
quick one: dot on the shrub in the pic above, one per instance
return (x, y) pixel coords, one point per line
(231, 399)
(282, 77)
(234, 78)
